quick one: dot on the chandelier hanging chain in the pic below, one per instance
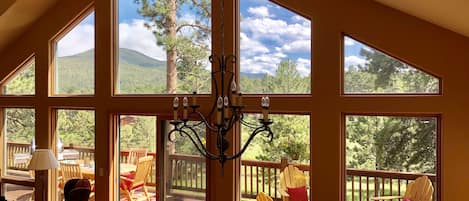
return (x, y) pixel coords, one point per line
(227, 108)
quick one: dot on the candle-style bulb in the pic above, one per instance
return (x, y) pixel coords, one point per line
(185, 102)
(220, 102)
(267, 102)
(233, 86)
(176, 102)
(226, 102)
(194, 88)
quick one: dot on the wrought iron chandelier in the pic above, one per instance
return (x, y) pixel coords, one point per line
(228, 108)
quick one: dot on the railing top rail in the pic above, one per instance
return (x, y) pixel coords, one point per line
(186, 157)
(260, 163)
(19, 144)
(388, 174)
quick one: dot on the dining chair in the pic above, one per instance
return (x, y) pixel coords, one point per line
(137, 180)
(135, 154)
(68, 171)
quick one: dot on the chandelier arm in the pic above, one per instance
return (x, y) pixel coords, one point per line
(248, 124)
(205, 121)
(171, 133)
(251, 137)
(211, 58)
(199, 146)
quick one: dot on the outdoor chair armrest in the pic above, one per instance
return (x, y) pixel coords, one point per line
(394, 197)
(125, 179)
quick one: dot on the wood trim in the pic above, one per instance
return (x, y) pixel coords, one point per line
(17, 181)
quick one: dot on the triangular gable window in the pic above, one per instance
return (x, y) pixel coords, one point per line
(369, 71)
(22, 82)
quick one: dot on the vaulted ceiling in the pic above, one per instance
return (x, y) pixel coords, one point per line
(17, 15)
(449, 14)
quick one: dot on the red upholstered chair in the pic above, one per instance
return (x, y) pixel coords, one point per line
(137, 180)
(292, 180)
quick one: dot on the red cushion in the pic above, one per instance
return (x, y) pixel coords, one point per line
(298, 194)
(127, 183)
(406, 199)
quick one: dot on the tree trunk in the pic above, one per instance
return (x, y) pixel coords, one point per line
(171, 56)
(171, 53)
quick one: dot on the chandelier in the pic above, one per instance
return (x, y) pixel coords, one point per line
(226, 111)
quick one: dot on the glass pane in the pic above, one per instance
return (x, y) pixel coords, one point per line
(23, 82)
(138, 150)
(157, 58)
(369, 71)
(275, 49)
(388, 150)
(74, 62)
(75, 145)
(185, 170)
(18, 193)
(19, 130)
(290, 146)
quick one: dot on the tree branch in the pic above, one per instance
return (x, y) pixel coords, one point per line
(202, 27)
(203, 7)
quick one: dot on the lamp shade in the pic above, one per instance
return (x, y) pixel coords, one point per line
(43, 159)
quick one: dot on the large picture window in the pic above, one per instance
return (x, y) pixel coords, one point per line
(263, 162)
(74, 60)
(385, 153)
(275, 49)
(156, 57)
(75, 146)
(19, 134)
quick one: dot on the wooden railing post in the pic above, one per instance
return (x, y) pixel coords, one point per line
(283, 163)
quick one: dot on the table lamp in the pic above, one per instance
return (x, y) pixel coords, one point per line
(43, 159)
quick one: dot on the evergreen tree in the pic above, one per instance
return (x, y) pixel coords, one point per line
(185, 41)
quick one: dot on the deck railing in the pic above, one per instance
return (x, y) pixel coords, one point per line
(188, 173)
(365, 184)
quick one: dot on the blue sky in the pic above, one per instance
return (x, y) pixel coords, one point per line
(269, 34)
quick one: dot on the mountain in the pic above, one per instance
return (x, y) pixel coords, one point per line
(136, 58)
(127, 56)
(252, 75)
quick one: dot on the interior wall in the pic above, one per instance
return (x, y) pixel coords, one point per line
(439, 51)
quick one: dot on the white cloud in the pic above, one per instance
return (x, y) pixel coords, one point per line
(303, 66)
(266, 41)
(263, 63)
(275, 29)
(133, 35)
(349, 42)
(260, 11)
(79, 39)
(299, 19)
(251, 47)
(136, 36)
(353, 61)
(297, 46)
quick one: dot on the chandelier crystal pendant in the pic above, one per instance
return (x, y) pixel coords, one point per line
(226, 111)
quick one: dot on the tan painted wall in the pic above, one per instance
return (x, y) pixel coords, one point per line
(422, 44)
